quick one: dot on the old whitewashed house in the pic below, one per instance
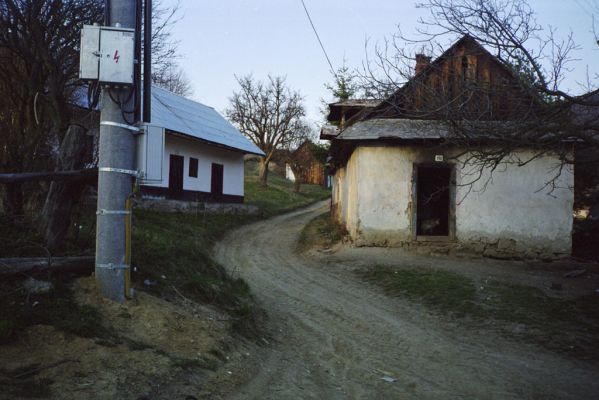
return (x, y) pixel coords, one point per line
(399, 181)
(190, 152)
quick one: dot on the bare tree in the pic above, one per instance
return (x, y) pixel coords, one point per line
(270, 114)
(174, 80)
(166, 72)
(536, 112)
(39, 43)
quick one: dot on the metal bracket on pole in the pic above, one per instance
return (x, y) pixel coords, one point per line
(113, 266)
(133, 128)
(131, 172)
(113, 212)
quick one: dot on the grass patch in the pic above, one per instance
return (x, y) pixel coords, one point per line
(24, 388)
(323, 231)
(20, 236)
(570, 325)
(173, 250)
(441, 290)
(177, 247)
(18, 310)
(278, 197)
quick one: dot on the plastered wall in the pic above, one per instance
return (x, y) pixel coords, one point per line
(232, 165)
(510, 212)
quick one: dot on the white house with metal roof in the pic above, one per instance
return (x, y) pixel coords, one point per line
(190, 152)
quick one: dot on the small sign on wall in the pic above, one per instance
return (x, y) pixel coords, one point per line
(439, 158)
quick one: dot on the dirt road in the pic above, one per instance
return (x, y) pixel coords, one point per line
(333, 337)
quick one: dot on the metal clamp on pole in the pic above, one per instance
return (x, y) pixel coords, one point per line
(113, 212)
(131, 172)
(113, 266)
(133, 128)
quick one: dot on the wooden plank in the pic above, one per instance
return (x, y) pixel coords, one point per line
(76, 175)
(14, 266)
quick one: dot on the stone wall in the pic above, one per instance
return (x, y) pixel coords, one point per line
(165, 205)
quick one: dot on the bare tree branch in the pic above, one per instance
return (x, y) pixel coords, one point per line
(270, 114)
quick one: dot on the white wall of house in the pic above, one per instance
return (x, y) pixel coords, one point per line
(232, 161)
(373, 195)
(517, 205)
(289, 175)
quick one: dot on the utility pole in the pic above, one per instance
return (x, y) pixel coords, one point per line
(115, 173)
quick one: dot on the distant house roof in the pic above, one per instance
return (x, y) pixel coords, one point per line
(587, 113)
(395, 128)
(350, 108)
(328, 132)
(197, 120)
(357, 103)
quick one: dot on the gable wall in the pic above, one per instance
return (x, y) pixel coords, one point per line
(508, 217)
(468, 82)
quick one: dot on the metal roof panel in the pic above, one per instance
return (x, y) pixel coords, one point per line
(195, 119)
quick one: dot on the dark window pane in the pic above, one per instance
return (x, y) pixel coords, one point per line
(193, 167)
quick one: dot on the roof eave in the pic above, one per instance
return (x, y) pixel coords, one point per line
(215, 144)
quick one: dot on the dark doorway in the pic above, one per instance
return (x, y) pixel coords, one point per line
(432, 200)
(216, 181)
(175, 176)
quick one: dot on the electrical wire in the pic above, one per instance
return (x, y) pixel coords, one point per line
(121, 103)
(318, 38)
(37, 121)
(93, 95)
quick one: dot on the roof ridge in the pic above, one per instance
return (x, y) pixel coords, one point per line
(154, 86)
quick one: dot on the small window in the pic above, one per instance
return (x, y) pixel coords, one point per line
(193, 167)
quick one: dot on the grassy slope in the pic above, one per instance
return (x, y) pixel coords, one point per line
(278, 197)
(173, 250)
(323, 231)
(170, 250)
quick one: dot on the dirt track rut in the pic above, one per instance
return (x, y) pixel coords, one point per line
(333, 337)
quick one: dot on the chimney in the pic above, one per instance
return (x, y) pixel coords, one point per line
(422, 62)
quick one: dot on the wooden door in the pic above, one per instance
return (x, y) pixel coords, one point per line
(175, 176)
(216, 181)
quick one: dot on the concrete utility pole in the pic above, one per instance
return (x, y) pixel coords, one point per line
(115, 180)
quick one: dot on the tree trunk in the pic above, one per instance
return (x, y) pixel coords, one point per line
(263, 171)
(297, 174)
(296, 184)
(14, 266)
(62, 196)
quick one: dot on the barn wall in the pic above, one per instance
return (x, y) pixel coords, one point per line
(314, 174)
(232, 165)
(509, 217)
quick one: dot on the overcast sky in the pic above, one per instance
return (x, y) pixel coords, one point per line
(223, 38)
